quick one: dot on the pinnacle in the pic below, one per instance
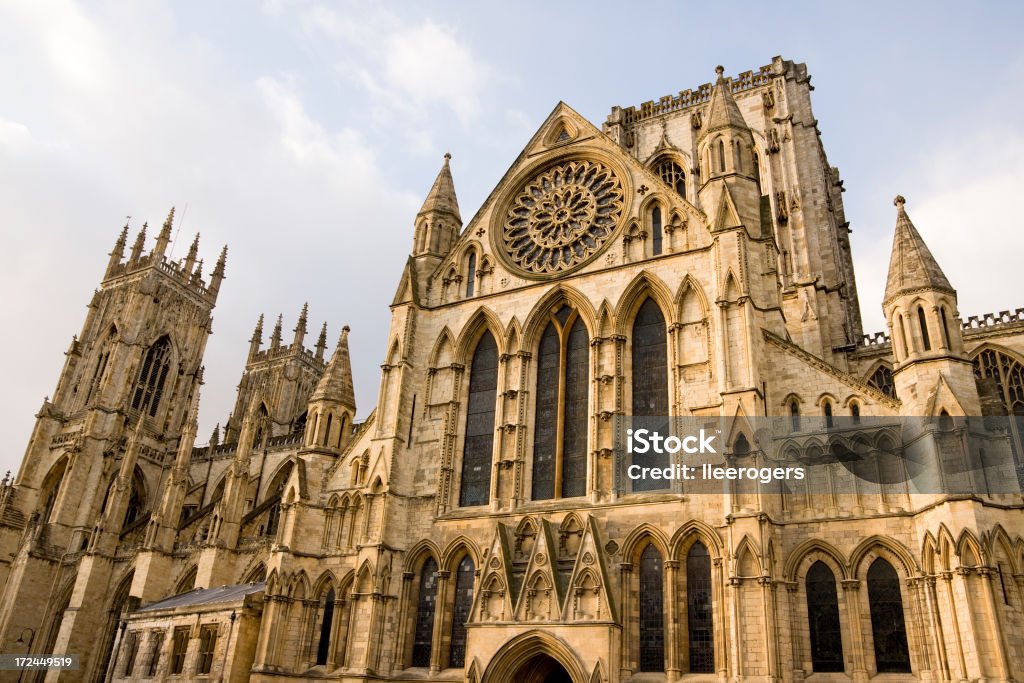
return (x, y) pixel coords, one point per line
(911, 265)
(442, 193)
(722, 111)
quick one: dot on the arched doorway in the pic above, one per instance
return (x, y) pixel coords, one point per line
(541, 669)
(535, 657)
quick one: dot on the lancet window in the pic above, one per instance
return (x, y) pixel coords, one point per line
(149, 387)
(560, 425)
(479, 443)
(887, 625)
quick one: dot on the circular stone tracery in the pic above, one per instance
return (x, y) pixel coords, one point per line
(562, 217)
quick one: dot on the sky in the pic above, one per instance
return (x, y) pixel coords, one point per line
(306, 134)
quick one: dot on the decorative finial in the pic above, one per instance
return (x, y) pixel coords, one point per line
(719, 69)
(899, 201)
(447, 156)
(346, 329)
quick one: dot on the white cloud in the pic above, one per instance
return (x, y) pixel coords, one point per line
(13, 134)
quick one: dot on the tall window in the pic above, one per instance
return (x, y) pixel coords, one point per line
(1008, 376)
(650, 380)
(823, 619)
(207, 645)
(131, 650)
(471, 274)
(656, 236)
(890, 633)
(757, 172)
(477, 452)
(460, 615)
(156, 639)
(149, 387)
(721, 157)
(698, 609)
(827, 409)
(179, 646)
(324, 644)
(425, 609)
(672, 175)
(924, 329)
(945, 328)
(652, 618)
(794, 416)
(560, 433)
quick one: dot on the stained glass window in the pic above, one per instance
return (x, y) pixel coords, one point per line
(477, 452)
(149, 387)
(652, 618)
(890, 633)
(460, 615)
(1008, 375)
(823, 619)
(425, 609)
(650, 381)
(698, 609)
(560, 466)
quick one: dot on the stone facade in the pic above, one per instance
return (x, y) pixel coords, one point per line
(690, 258)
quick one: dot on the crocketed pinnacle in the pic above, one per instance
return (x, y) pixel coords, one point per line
(336, 383)
(441, 197)
(722, 109)
(911, 266)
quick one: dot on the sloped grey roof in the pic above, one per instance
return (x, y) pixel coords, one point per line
(911, 266)
(206, 596)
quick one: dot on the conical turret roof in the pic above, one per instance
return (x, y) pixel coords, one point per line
(723, 112)
(442, 193)
(336, 382)
(911, 266)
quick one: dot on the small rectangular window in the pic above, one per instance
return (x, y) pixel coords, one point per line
(156, 640)
(131, 649)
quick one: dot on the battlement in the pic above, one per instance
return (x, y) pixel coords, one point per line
(192, 281)
(747, 80)
(973, 324)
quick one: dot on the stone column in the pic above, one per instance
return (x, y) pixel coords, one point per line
(672, 669)
(440, 607)
(994, 624)
(851, 594)
(626, 664)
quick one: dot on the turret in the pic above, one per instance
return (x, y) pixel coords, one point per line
(300, 328)
(275, 336)
(218, 272)
(256, 340)
(321, 343)
(139, 245)
(333, 403)
(193, 253)
(164, 238)
(729, 191)
(920, 308)
(117, 253)
(438, 221)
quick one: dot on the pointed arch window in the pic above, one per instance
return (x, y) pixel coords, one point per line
(721, 156)
(423, 636)
(1008, 376)
(672, 175)
(560, 431)
(925, 340)
(945, 328)
(855, 412)
(471, 274)
(757, 172)
(698, 609)
(649, 357)
(149, 387)
(652, 618)
(881, 379)
(324, 644)
(794, 416)
(656, 231)
(827, 410)
(887, 625)
(479, 444)
(823, 619)
(460, 613)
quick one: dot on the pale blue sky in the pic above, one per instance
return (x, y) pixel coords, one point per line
(306, 134)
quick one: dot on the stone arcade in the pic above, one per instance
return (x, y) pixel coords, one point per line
(690, 258)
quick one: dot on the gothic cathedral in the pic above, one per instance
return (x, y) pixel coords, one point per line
(690, 258)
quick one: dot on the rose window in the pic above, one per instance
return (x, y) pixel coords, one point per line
(562, 217)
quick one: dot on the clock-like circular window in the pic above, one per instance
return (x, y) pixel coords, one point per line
(562, 217)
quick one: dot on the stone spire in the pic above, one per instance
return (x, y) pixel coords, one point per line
(722, 111)
(257, 339)
(911, 266)
(441, 198)
(218, 271)
(336, 383)
(117, 253)
(275, 336)
(193, 253)
(140, 243)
